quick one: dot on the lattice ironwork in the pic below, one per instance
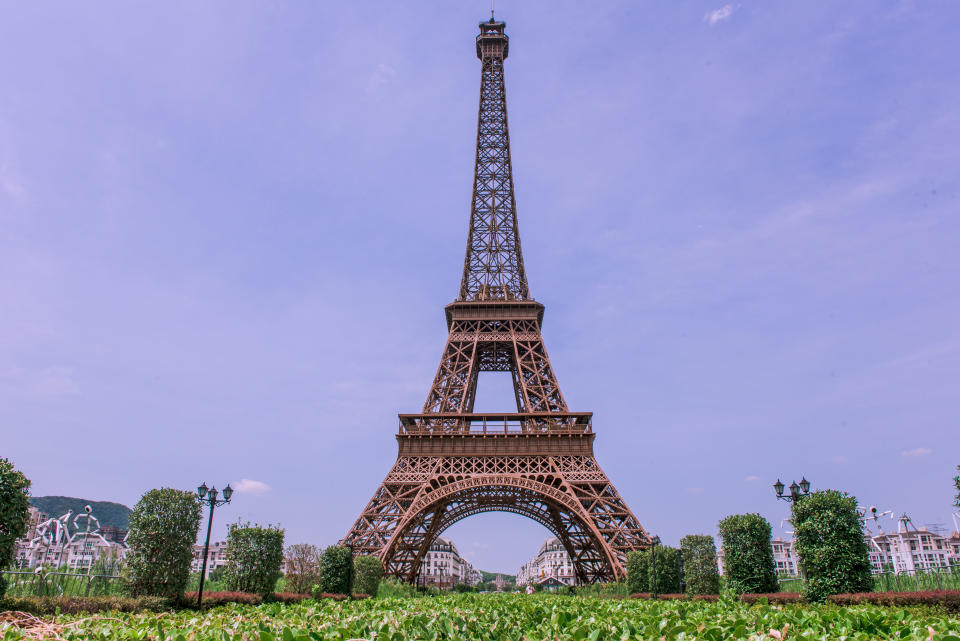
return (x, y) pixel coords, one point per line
(493, 268)
(538, 461)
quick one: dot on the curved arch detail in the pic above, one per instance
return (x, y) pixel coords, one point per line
(447, 500)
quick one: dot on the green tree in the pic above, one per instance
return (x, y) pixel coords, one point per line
(163, 530)
(700, 564)
(302, 569)
(254, 558)
(664, 570)
(638, 579)
(368, 570)
(14, 513)
(828, 534)
(653, 570)
(747, 554)
(336, 570)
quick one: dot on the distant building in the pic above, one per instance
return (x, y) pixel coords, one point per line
(908, 550)
(49, 542)
(551, 561)
(443, 566)
(216, 557)
(785, 557)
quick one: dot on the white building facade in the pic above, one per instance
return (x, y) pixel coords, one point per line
(443, 566)
(216, 557)
(551, 562)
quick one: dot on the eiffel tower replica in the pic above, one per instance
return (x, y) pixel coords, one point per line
(537, 461)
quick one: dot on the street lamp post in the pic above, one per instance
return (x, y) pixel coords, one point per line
(209, 496)
(797, 491)
(655, 541)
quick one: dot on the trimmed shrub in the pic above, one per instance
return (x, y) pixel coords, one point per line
(289, 597)
(329, 595)
(368, 570)
(828, 532)
(948, 599)
(643, 569)
(336, 571)
(254, 557)
(302, 567)
(778, 598)
(213, 599)
(748, 556)
(14, 513)
(700, 572)
(637, 579)
(163, 529)
(48, 605)
(664, 570)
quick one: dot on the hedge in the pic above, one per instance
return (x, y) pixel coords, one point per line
(640, 571)
(777, 597)
(368, 570)
(336, 571)
(163, 529)
(747, 554)
(831, 549)
(254, 558)
(948, 599)
(700, 573)
(49, 605)
(637, 581)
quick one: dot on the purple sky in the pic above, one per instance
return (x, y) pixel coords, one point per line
(228, 230)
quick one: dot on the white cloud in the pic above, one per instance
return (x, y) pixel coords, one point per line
(719, 15)
(919, 451)
(248, 486)
(753, 478)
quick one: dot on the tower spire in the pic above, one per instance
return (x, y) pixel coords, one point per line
(493, 267)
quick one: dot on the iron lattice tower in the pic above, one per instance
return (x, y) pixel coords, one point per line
(537, 461)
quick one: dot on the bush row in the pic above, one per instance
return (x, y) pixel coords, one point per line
(776, 597)
(949, 599)
(47, 605)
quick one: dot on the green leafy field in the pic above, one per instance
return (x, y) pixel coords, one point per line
(513, 617)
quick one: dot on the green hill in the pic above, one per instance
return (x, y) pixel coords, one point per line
(490, 576)
(107, 512)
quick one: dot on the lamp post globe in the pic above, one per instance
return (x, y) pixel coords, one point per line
(778, 488)
(804, 485)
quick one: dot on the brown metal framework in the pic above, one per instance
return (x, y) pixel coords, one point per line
(537, 461)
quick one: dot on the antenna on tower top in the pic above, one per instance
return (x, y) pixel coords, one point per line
(491, 10)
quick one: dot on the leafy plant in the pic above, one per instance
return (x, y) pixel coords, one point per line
(700, 571)
(163, 530)
(368, 570)
(747, 554)
(254, 558)
(14, 513)
(336, 570)
(828, 532)
(488, 617)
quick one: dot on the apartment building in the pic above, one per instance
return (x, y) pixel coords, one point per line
(216, 557)
(443, 566)
(551, 564)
